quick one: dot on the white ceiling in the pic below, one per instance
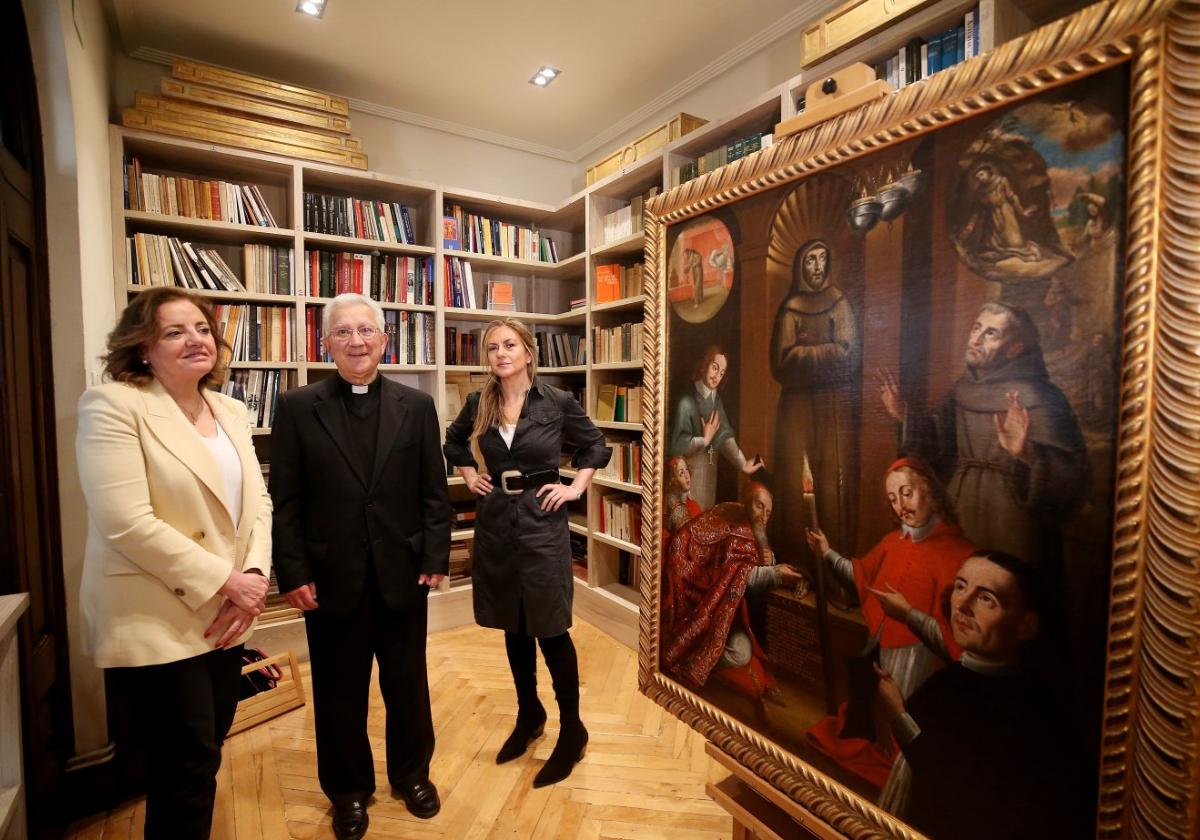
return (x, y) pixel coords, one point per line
(464, 65)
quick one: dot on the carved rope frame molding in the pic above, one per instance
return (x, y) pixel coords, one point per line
(1150, 751)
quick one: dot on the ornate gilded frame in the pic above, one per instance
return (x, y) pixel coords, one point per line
(1150, 754)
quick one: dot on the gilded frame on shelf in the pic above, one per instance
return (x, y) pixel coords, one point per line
(1045, 190)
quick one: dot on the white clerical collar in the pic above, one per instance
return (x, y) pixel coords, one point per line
(921, 531)
(360, 389)
(703, 390)
(985, 666)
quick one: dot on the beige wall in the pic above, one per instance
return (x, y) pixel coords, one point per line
(71, 56)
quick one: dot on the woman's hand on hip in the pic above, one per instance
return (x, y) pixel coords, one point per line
(553, 496)
(231, 622)
(247, 590)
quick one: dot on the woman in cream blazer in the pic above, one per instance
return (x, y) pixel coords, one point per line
(178, 548)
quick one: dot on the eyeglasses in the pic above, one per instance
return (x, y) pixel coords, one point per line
(365, 333)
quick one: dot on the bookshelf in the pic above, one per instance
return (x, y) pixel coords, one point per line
(542, 292)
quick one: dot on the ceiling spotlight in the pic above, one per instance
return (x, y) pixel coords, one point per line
(314, 8)
(544, 76)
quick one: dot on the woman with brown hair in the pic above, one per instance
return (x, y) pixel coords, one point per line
(178, 547)
(522, 580)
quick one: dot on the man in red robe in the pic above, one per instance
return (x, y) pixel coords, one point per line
(910, 569)
(712, 563)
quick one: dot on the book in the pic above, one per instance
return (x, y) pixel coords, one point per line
(500, 296)
(606, 398)
(608, 282)
(450, 233)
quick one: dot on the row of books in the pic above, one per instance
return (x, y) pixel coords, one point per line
(257, 333)
(467, 231)
(722, 155)
(616, 282)
(626, 462)
(460, 283)
(462, 345)
(561, 350)
(387, 278)
(628, 568)
(268, 269)
(920, 58)
(153, 260)
(259, 390)
(460, 561)
(622, 343)
(409, 337)
(628, 220)
(192, 198)
(619, 403)
(579, 556)
(458, 387)
(360, 218)
(621, 517)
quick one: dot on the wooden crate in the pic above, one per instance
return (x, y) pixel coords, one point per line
(850, 23)
(238, 103)
(272, 91)
(288, 694)
(251, 126)
(652, 140)
(181, 126)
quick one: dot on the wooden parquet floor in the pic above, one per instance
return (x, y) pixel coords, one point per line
(643, 776)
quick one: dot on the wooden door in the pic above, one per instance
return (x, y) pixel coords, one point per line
(30, 550)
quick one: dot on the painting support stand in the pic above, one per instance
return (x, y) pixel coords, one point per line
(759, 811)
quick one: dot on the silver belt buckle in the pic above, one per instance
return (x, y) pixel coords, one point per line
(505, 476)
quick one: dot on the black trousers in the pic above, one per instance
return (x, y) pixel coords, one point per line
(180, 713)
(341, 650)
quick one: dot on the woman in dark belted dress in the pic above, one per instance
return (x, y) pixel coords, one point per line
(522, 579)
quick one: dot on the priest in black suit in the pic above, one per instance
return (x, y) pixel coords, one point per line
(361, 532)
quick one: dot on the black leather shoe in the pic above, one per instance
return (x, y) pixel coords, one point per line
(350, 820)
(523, 734)
(571, 747)
(420, 797)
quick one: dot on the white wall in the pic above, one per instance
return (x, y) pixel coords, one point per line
(71, 57)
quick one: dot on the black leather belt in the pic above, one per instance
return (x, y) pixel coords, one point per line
(515, 482)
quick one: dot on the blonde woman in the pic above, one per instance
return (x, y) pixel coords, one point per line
(522, 571)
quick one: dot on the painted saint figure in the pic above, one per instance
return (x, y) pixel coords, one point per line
(814, 356)
(701, 429)
(1008, 441)
(913, 566)
(713, 564)
(994, 230)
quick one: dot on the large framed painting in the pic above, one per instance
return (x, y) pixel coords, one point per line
(923, 457)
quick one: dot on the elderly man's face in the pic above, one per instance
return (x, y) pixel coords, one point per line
(357, 358)
(760, 507)
(987, 616)
(991, 341)
(815, 265)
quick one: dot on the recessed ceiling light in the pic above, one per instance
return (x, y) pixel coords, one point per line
(314, 8)
(544, 76)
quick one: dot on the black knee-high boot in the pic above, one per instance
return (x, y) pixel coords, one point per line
(531, 715)
(559, 653)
